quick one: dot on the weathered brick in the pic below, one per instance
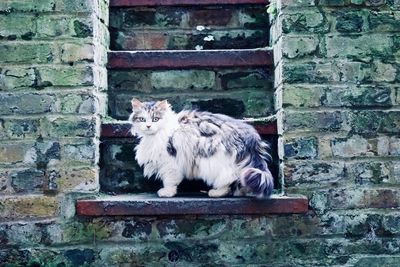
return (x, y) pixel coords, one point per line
(27, 181)
(253, 18)
(383, 72)
(183, 80)
(384, 21)
(298, 47)
(78, 180)
(77, 52)
(74, 6)
(13, 152)
(28, 53)
(12, 208)
(69, 127)
(79, 153)
(81, 103)
(330, 121)
(349, 21)
(29, 103)
(12, 78)
(19, 128)
(372, 45)
(302, 96)
(65, 76)
(212, 17)
(378, 261)
(310, 21)
(16, 25)
(313, 173)
(373, 122)
(17, 5)
(309, 72)
(4, 180)
(251, 78)
(367, 173)
(133, 81)
(301, 148)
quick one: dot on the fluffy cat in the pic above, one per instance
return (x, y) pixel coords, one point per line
(218, 149)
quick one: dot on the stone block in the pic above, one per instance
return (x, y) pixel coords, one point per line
(28, 53)
(27, 181)
(18, 207)
(313, 173)
(180, 80)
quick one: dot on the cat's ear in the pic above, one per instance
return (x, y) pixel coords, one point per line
(163, 105)
(136, 104)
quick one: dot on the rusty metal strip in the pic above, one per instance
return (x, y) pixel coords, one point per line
(178, 59)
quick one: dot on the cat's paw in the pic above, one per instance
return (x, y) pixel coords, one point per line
(167, 192)
(218, 192)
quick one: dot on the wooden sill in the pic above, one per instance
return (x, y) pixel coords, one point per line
(150, 204)
(136, 3)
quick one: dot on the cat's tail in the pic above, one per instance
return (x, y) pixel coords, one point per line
(255, 175)
(259, 182)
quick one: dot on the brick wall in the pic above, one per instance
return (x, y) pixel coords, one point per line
(337, 97)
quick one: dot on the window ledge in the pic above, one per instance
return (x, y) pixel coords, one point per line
(150, 204)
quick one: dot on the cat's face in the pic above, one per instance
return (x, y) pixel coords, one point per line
(148, 118)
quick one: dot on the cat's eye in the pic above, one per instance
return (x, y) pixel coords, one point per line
(141, 119)
(155, 119)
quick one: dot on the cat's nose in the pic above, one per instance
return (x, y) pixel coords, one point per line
(148, 126)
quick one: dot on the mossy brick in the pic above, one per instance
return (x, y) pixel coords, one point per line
(129, 80)
(27, 181)
(27, 103)
(49, 26)
(69, 127)
(71, 53)
(349, 21)
(79, 103)
(295, 3)
(84, 232)
(13, 153)
(83, 179)
(17, 25)
(384, 72)
(28, 53)
(326, 121)
(75, 6)
(355, 198)
(179, 80)
(369, 173)
(371, 122)
(311, 21)
(254, 18)
(33, 206)
(362, 46)
(313, 173)
(384, 21)
(376, 261)
(354, 146)
(353, 72)
(65, 76)
(82, 29)
(244, 78)
(302, 96)
(394, 146)
(212, 17)
(308, 72)
(333, 2)
(143, 40)
(301, 148)
(136, 18)
(4, 181)
(299, 47)
(359, 96)
(14, 78)
(28, 6)
(19, 128)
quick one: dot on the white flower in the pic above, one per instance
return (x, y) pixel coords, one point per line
(200, 28)
(209, 38)
(199, 47)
